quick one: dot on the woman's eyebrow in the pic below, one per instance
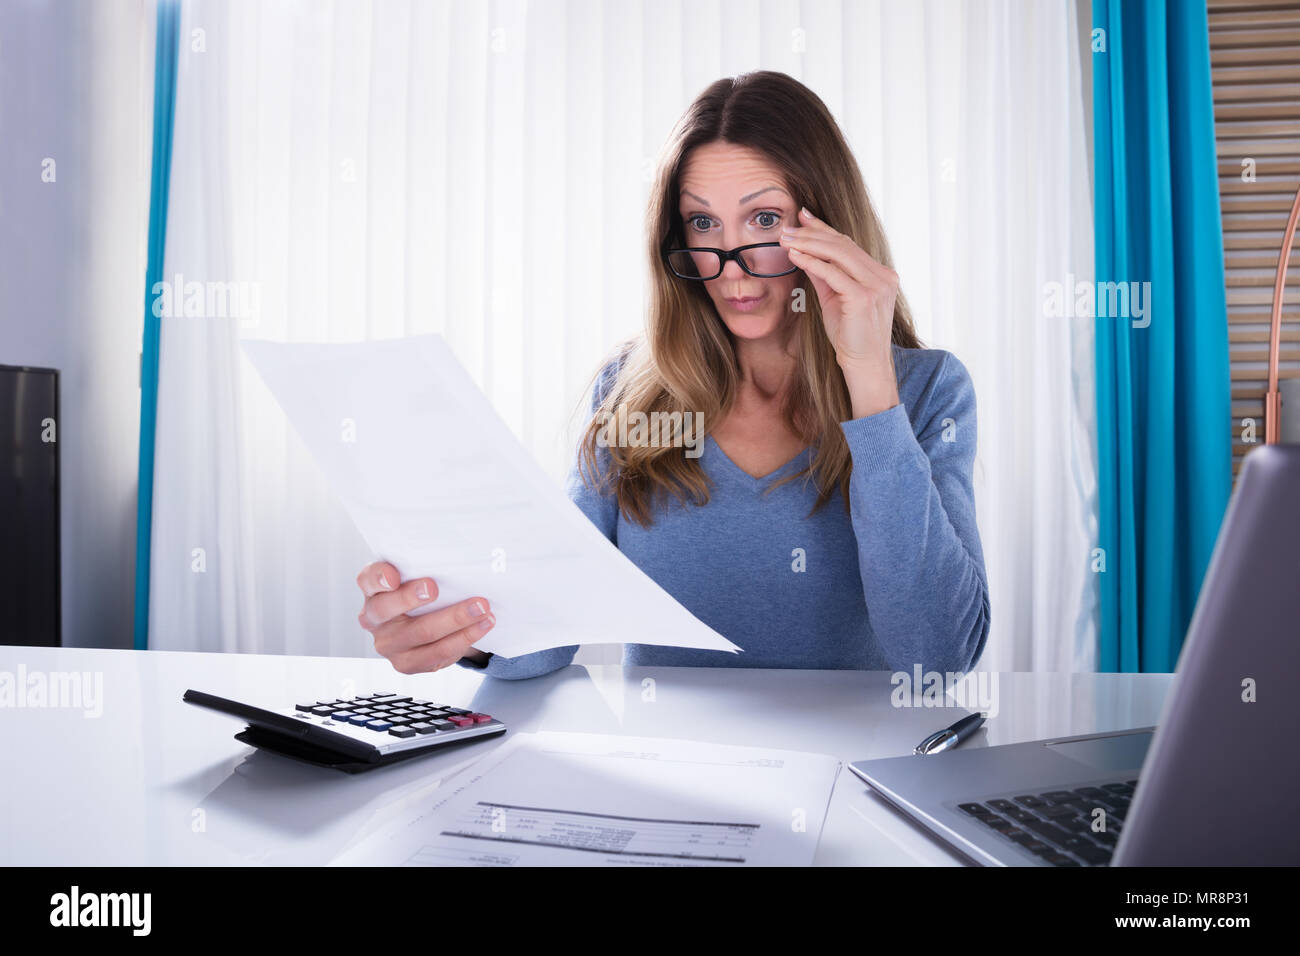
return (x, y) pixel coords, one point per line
(745, 199)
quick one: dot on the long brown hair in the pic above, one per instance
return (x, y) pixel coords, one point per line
(686, 359)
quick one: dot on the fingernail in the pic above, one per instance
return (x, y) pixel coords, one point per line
(423, 593)
(383, 582)
(804, 210)
(476, 609)
(486, 623)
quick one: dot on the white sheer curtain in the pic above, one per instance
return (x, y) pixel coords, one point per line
(480, 170)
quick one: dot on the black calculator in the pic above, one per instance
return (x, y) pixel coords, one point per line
(354, 734)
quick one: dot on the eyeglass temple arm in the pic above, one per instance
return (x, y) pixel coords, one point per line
(1273, 397)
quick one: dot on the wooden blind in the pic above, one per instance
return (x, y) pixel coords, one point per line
(1255, 64)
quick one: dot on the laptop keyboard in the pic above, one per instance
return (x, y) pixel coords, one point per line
(1058, 825)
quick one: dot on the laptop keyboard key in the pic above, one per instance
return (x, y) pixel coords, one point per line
(1060, 797)
(1053, 833)
(1074, 824)
(1092, 854)
(1059, 812)
(1039, 848)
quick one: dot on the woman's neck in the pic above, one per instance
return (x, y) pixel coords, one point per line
(765, 366)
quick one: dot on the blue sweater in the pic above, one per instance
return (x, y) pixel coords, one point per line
(898, 581)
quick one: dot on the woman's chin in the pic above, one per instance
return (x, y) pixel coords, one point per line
(750, 326)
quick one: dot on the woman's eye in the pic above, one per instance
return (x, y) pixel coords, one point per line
(701, 223)
(767, 220)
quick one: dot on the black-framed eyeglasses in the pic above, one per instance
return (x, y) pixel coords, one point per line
(763, 260)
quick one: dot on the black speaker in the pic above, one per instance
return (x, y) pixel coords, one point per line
(30, 589)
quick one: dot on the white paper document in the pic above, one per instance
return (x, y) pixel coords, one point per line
(439, 486)
(561, 799)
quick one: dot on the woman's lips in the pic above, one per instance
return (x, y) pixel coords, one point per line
(746, 303)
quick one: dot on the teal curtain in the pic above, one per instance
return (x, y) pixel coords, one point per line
(1163, 390)
(164, 103)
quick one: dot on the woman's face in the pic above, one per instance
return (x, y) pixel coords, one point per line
(733, 196)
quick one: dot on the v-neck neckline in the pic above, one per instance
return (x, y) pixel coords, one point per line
(742, 473)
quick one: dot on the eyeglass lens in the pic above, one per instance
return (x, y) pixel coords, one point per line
(696, 263)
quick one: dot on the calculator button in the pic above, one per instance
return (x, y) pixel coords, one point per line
(324, 711)
(424, 728)
(462, 721)
(443, 724)
(342, 715)
(458, 710)
(360, 719)
(402, 732)
(481, 718)
(378, 725)
(312, 706)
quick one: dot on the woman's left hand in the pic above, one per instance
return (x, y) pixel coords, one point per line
(857, 296)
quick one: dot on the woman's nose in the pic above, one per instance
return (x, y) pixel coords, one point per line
(731, 270)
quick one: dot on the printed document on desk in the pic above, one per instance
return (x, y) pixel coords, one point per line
(562, 799)
(438, 485)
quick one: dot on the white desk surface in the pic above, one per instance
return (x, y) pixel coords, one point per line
(157, 781)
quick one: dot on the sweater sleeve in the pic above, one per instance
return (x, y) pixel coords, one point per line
(912, 505)
(602, 511)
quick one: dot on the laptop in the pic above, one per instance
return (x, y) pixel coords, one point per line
(1215, 783)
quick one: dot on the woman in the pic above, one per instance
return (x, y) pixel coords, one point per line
(829, 519)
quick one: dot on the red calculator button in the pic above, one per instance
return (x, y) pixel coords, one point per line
(480, 718)
(462, 721)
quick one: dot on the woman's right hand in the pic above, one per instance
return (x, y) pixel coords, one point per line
(425, 642)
